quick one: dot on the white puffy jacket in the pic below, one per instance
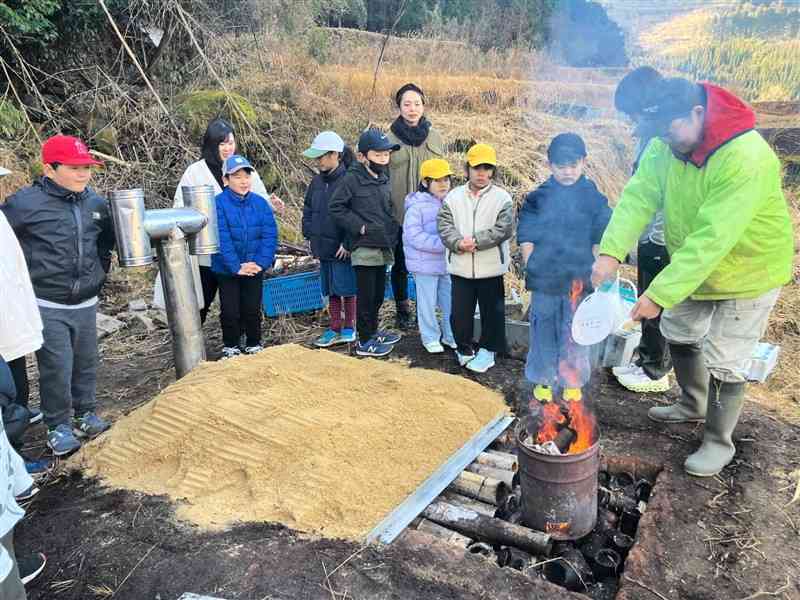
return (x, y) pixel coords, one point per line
(20, 322)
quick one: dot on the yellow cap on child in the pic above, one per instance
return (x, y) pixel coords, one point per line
(434, 168)
(481, 154)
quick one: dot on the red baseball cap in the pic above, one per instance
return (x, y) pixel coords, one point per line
(67, 150)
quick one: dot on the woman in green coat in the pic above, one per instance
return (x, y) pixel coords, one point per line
(418, 142)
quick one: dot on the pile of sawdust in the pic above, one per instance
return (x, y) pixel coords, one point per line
(318, 441)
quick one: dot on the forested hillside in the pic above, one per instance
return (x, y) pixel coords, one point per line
(752, 47)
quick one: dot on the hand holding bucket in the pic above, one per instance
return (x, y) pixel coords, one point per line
(603, 312)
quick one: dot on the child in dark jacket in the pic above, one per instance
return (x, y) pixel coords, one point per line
(248, 236)
(328, 240)
(66, 235)
(362, 206)
(559, 225)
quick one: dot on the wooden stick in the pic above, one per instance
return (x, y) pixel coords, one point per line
(138, 65)
(778, 592)
(644, 587)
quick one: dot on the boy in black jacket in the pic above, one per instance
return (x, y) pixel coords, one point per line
(66, 235)
(559, 225)
(362, 206)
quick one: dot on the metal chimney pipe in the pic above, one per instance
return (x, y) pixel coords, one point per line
(183, 313)
(202, 198)
(128, 215)
(170, 229)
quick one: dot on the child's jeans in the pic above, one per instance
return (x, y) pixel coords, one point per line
(554, 358)
(433, 291)
(371, 283)
(68, 363)
(240, 304)
(489, 295)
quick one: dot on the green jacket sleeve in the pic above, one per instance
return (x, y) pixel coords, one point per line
(640, 200)
(733, 195)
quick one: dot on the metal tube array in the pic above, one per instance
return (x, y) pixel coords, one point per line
(170, 229)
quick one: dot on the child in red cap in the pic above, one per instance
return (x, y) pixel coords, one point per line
(66, 235)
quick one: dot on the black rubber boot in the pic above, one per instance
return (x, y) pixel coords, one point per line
(693, 378)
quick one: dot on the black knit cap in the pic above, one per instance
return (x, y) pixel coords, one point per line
(635, 91)
(566, 148)
(409, 87)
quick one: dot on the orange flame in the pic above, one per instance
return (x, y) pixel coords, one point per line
(575, 293)
(583, 422)
(551, 418)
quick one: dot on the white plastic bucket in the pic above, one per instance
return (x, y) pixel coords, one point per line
(601, 313)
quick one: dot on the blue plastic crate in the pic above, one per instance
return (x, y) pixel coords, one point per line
(292, 294)
(412, 288)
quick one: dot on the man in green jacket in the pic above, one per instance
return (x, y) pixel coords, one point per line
(730, 242)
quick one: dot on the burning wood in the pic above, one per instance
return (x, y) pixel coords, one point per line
(569, 429)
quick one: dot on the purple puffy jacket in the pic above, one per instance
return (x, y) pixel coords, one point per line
(421, 243)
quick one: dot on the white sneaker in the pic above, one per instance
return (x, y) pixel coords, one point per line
(483, 361)
(631, 368)
(638, 381)
(450, 344)
(230, 352)
(434, 347)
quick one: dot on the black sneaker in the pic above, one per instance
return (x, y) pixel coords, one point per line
(30, 567)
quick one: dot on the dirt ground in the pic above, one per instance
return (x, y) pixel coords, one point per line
(731, 537)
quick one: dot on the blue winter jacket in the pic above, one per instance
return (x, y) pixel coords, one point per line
(247, 232)
(563, 223)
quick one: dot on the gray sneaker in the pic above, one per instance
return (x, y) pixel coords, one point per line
(89, 425)
(62, 441)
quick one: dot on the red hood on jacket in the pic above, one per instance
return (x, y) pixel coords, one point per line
(727, 117)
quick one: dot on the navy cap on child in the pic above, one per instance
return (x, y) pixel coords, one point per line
(236, 163)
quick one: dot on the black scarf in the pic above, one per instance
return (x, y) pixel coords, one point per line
(411, 136)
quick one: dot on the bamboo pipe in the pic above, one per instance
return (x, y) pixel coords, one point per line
(508, 477)
(469, 503)
(498, 460)
(484, 528)
(486, 489)
(448, 535)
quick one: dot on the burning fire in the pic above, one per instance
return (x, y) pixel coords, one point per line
(551, 419)
(577, 416)
(583, 423)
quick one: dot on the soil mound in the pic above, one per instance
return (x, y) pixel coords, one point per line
(316, 440)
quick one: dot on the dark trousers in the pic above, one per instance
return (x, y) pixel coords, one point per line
(371, 284)
(399, 272)
(19, 371)
(653, 349)
(209, 283)
(489, 295)
(67, 363)
(240, 301)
